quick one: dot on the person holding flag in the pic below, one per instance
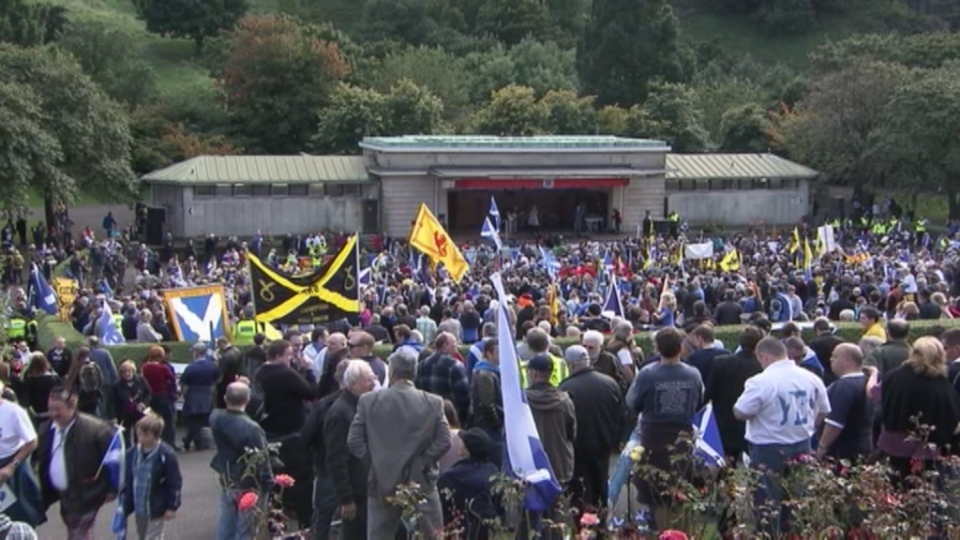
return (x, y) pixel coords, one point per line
(429, 236)
(41, 293)
(79, 459)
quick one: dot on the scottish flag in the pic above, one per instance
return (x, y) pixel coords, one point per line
(489, 232)
(494, 213)
(106, 327)
(708, 447)
(613, 306)
(525, 455)
(112, 465)
(42, 293)
(549, 262)
(364, 276)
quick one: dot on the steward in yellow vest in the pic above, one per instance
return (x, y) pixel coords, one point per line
(558, 373)
(16, 328)
(243, 332)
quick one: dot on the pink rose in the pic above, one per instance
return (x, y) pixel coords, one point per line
(673, 535)
(284, 480)
(247, 501)
(589, 520)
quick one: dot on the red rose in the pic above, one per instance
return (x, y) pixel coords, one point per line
(673, 535)
(247, 501)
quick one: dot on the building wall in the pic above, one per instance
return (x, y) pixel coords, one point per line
(170, 198)
(401, 197)
(743, 207)
(270, 215)
(640, 195)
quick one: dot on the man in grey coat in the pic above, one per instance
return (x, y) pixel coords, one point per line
(400, 433)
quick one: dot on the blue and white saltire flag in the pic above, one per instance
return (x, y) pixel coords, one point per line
(549, 262)
(113, 466)
(364, 277)
(613, 306)
(43, 296)
(106, 327)
(708, 446)
(489, 232)
(494, 212)
(526, 457)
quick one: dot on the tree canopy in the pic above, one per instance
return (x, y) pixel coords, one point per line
(192, 19)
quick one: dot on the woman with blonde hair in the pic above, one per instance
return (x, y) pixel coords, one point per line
(940, 300)
(666, 312)
(920, 410)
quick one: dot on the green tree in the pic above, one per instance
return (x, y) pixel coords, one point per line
(277, 77)
(513, 110)
(745, 128)
(412, 109)
(836, 128)
(670, 113)
(353, 113)
(443, 74)
(544, 66)
(512, 20)
(612, 120)
(112, 57)
(626, 45)
(29, 24)
(414, 22)
(72, 136)
(920, 146)
(786, 16)
(569, 114)
(191, 19)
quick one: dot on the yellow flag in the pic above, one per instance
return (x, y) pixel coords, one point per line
(432, 240)
(270, 332)
(731, 261)
(795, 243)
(807, 254)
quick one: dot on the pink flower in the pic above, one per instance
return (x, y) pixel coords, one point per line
(673, 535)
(247, 501)
(284, 480)
(589, 520)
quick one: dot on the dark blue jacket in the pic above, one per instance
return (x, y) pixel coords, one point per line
(166, 481)
(467, 492)
(199, 379)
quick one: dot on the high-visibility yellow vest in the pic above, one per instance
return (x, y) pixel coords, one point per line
(559, 373)
(674, 217)
(16, 328)
(118, 320)
(921, 226)
(243, 332)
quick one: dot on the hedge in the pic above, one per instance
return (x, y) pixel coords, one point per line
(50, 328)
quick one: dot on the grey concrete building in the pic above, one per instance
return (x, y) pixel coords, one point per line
(738, 189)
(239, 195)
(456, 176)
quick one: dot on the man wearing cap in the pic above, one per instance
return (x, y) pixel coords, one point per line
(823, 346)
(554, 416)
(198, 381)
(598, 405)
(467, 484)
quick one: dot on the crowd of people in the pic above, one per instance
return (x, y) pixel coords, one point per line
(353, 427)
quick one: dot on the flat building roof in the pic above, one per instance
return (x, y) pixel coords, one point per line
(484, 143)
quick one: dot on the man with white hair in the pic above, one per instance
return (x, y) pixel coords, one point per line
(598, 406)
(400, 448)
(348, 474)
(601, 360)
(426, 326)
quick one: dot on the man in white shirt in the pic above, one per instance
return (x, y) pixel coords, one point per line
(18, 439)
(314, 352)
(782, 406)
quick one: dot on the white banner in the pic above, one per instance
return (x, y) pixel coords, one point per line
(827, 240)
(698, 251)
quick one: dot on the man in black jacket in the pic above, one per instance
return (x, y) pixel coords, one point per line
(729, 311)
(823, 346)
(598, 406)
(324, 498)
(707, 352)
(348, 474)
(730, 374)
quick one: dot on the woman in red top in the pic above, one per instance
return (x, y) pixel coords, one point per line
(159, 377)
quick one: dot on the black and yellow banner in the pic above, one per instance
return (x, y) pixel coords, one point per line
(327, 294)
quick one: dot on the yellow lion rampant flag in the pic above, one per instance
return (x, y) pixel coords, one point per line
(432, 240)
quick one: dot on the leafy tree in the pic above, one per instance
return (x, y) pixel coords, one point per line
(920, 146)
(512, 20)
(112, 57)
(489, 71)
(626, 45)
(276, 79)
(569, 114)
(836, 128)
(612, 120)
(745, 128)
(409, 21)
(29, 24)
(513, 110)
(443, 74)
(412, 109)
(191, 19)
(670, 113)
(716, 97)
(544, 66)
(569, 17)
(72, 136)
(356, 112)
(926, 50)
(786, 16)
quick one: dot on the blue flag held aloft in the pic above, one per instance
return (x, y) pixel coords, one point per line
(106, 327)
(613, 306)
(489, 232)
(526, 457)
(42, 293)
(708, 446)
(494, 213)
